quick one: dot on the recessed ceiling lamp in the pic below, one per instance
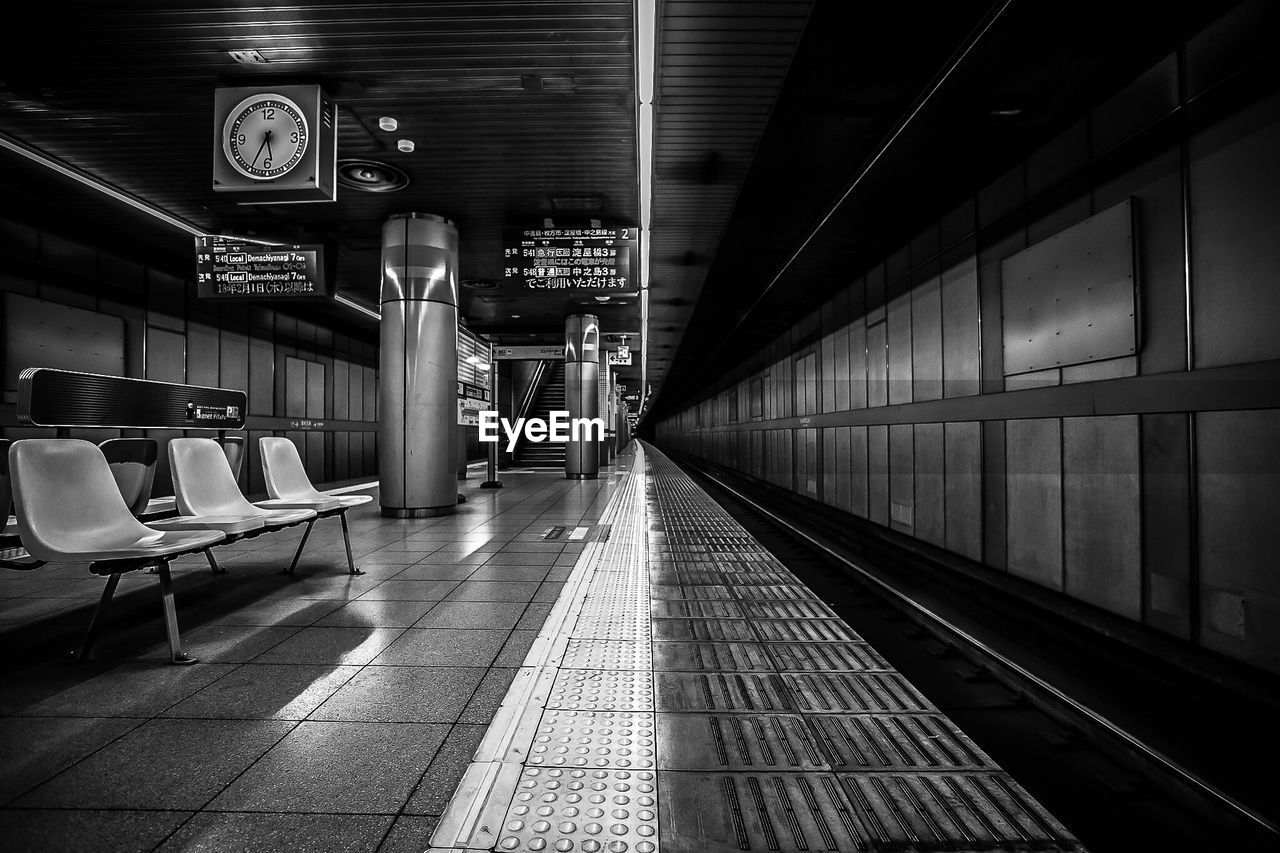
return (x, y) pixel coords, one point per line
(248, 57)
(405, 145)
(604, 298)
(371, 176)
(387, 123)
(479, 284)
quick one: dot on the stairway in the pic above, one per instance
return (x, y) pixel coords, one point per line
(545, 454)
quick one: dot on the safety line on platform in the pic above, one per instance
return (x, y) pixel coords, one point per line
(569, 761)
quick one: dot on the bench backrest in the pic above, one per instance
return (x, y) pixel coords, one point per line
(133, 464)
(202, 479)
(66, 499)
(67, 398)
(283, 470)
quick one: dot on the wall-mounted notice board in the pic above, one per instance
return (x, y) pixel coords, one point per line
(1072, 298)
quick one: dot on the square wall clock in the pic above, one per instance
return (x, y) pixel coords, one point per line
(274, 144)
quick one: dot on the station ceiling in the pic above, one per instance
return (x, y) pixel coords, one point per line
(523, 111)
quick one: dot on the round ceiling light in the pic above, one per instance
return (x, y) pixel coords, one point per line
(371, 176)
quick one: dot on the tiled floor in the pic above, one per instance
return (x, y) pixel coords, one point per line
(327, 712)
(646, 722)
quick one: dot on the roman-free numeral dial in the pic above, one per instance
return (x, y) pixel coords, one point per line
(265, 136)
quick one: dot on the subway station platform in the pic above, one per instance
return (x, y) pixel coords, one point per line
(688, 693)
(326, 712)
(608, 665)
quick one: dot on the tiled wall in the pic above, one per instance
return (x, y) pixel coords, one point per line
(311, 383)
(1155, 501)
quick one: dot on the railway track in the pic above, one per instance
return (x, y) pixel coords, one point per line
(1096, 771)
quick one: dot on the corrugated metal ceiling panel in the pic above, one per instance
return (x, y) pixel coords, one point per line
(720, 68)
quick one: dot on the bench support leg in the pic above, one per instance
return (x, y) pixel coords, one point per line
(301, 545)
(95, 624)
(346, 539)
(171, 616)
(213, 563)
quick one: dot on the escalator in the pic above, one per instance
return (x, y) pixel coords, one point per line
(549, 398)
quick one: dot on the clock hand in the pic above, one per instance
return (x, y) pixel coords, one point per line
(268, 141)
(260, 147)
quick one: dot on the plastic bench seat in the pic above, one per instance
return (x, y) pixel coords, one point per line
(232, 525)
(70, 510)
(328, 503)
(206, 494)
(289, 486)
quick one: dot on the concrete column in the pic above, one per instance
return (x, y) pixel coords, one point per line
(418, 384)
(582, 393)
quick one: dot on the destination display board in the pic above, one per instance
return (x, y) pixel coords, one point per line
(523, 353)
(571, 260)
(227, 269)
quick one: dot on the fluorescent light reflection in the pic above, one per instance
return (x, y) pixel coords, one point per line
(646, 164)
(646, 20)
(646, 60)
(644, 342)
(101, 186)
(338, 297)
(138, 204)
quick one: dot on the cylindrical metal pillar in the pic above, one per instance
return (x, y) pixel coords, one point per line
(418, 383)
(602, 409)
(582, 395)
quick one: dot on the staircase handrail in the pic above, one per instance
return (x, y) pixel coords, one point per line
(530, 393)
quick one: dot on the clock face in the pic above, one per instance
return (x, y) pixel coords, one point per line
(265, 136)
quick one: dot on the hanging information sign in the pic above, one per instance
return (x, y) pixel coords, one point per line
(571, 260)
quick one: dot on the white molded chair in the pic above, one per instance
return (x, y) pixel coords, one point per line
(207, 496)
(289, 486)
(71, 511)
(133, 464)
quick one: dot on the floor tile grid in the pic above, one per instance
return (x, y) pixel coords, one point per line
(551, 497)
(351, 674)
(244, 551)
(163, 711)
(553, 488)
